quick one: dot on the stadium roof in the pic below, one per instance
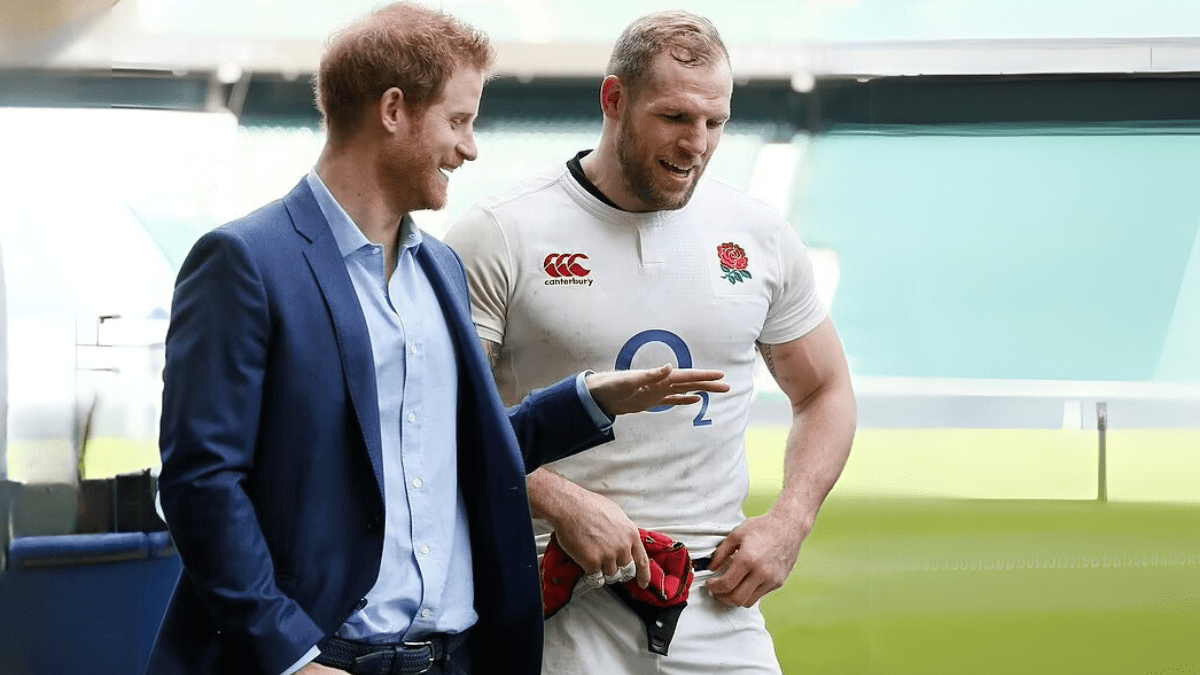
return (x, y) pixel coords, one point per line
(767, 38)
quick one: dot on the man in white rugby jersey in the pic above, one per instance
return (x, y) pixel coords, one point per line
(622, 257)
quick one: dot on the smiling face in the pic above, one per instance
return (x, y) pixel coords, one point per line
(669, 130)
(435, 142)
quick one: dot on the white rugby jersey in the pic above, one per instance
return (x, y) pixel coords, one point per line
(565, 282)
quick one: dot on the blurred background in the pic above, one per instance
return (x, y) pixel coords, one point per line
(1001, 197)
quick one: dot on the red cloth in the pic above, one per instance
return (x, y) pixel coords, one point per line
(671, 574)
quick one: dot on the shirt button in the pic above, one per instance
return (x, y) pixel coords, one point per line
(412, 349)
(425, 614)
(412, 417)
(417, 482)
(425, 549)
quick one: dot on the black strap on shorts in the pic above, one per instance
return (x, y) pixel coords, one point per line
(405, 658)
(660, 621)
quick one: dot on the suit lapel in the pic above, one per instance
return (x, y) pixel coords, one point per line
(349, 324)
(441, 268)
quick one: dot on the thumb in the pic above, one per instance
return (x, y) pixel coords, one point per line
(642, 560)
(724, 550)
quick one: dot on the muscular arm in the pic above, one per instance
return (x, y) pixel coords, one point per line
(758, 556)
(591, 528)
(491, 350)
(813, 375)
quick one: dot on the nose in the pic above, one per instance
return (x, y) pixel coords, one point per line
(695, 140)
(466, 147)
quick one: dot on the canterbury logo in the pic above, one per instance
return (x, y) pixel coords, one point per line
(565, 265)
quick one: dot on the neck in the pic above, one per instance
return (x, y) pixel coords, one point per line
(352, 180)
(603, 168)
(604, 171)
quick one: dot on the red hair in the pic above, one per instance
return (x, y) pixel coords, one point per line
(401, 45)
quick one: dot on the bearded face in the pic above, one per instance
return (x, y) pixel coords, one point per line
(670, 128)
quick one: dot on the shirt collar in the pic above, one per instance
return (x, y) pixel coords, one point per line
(347, 235)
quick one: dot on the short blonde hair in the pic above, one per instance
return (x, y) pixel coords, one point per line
(690, 39)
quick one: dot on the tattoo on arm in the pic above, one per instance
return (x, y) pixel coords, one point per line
(768, 358)
(492, 351)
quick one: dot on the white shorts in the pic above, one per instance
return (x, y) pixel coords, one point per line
(597, 634)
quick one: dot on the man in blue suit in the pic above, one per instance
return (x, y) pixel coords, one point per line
(344, 487)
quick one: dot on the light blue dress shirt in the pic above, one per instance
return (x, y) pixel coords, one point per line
(425, 582)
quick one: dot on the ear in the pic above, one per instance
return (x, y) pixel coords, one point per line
(393, 113)
(613, 97)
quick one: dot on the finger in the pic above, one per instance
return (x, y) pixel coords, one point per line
(642, 560)
(724, 550)
(685, 375)
(711, 386)
(727, 579)
(745, 595)
(680, 399)
(758, 594)
(724, 600)
(735, 583)
(610, 567)
(628, 571)
(749, 592)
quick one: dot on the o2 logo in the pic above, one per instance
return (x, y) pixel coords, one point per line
(683, 356)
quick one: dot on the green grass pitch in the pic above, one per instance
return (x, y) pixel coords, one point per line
(927, 584)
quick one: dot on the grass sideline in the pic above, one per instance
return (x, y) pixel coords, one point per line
(1144, 465)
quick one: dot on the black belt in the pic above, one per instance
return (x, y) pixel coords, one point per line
(701, 564)
(406, 658)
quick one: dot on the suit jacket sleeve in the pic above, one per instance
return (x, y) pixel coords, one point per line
(553, 423)
(216, 357)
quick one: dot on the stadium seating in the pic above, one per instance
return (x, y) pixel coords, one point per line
(84, 603)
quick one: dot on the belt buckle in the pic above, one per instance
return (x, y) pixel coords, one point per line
(424, 644)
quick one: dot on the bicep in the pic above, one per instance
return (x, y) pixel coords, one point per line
(804, 366)
(491, 351)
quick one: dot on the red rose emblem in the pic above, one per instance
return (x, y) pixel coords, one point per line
(733, 262)
(732, 256)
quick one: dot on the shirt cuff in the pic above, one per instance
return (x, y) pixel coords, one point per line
(304, 661)
(601, 418)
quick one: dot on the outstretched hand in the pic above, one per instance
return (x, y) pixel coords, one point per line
(629, 391)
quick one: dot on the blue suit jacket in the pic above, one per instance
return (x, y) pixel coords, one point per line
(272, 478)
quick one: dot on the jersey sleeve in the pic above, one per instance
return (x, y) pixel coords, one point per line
(795, 309)
(478, 240)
